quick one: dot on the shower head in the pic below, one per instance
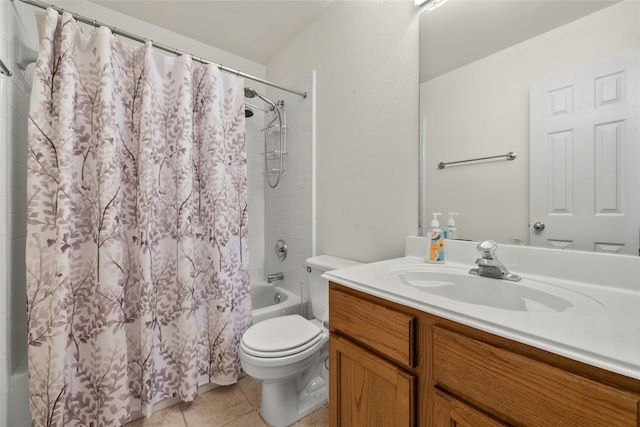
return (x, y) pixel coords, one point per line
(251, 93)
(248, 112)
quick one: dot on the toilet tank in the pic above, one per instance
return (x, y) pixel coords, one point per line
(319, 287)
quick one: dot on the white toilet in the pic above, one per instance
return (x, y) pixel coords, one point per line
(289, 354)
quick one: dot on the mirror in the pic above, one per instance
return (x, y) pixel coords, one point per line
(480, 64)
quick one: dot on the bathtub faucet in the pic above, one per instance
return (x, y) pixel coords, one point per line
(275, 276)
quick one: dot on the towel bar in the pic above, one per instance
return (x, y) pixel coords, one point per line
(510, 156)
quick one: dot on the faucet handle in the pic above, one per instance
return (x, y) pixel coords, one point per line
(487, 249)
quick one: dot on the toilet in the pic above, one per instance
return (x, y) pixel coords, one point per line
(290, 354)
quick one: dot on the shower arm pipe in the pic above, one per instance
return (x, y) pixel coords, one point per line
(119, 32)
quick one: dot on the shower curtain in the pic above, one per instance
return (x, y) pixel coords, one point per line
(137, 255)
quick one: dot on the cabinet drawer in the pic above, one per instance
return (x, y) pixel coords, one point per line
(388, 332)
(523, 391)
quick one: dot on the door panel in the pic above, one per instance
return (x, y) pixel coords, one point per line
(585, 160)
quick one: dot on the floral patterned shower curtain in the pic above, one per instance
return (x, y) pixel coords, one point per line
(137, 259)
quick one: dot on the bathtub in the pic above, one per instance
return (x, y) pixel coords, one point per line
(19, 396)
(264, 302)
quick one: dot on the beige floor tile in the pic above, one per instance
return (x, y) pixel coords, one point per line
(171, 416)
(318, 418)
(217, 407)
(252, 390)
(252, 419)
(224, 407)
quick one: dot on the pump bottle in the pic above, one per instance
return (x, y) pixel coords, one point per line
(435, 249)
(451, 232)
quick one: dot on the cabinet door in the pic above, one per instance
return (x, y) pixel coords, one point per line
(450, 412)
(366, 390)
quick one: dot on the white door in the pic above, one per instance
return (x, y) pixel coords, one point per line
(585, 158)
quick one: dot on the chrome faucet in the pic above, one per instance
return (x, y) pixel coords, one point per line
(489, 265)
(275, 276)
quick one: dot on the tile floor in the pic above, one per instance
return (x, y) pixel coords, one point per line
(236, 405)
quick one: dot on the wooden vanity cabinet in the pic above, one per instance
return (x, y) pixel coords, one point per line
(370, 360)
(391, 365)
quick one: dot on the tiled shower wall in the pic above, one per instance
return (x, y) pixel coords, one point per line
(289, 208)
(255, 190)
(18, 35)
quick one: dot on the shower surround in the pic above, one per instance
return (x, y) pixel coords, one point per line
(286, 212)
(18, 39)
(289, 212)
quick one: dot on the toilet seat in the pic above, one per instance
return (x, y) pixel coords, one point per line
(281, 337)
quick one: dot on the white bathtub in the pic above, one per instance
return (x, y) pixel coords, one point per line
(264, 305)
(19, 396)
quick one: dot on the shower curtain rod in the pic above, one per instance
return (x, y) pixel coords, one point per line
(160, 46)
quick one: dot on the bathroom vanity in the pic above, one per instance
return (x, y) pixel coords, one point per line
(403, 357)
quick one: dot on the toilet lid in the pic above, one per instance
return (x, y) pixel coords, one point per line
(281, 336)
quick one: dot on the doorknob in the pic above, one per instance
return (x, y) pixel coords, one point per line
(538, 226)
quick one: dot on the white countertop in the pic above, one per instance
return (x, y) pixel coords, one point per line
(603, 332)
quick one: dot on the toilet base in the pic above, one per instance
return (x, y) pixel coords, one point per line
(292, 386)
(283, 404)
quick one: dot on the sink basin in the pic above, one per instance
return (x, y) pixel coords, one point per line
(526, 295)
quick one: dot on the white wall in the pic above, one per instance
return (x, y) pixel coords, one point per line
(365, 54)
(482, 109)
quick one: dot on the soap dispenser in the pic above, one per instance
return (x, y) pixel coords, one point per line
(435, 249)
(451, 232)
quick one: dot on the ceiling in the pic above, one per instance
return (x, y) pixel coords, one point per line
(463, 31)
(454, 34)
(253, 29)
